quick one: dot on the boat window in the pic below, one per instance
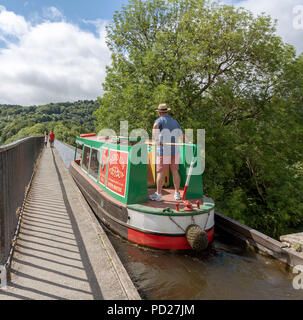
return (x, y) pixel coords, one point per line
(94, 163)
(85, 160)
(79, 148)
(78, 153)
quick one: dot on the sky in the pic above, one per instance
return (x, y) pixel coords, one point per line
(55, 50)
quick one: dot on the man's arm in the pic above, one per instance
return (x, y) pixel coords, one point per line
(156, 131)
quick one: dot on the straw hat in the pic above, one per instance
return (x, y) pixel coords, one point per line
(163, 108)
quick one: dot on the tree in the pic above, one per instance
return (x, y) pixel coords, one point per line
(177, 50)
(34, 120)
(222, 69)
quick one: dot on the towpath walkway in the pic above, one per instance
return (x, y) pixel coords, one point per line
(62, 251)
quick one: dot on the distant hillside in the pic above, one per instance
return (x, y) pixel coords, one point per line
(67, 119)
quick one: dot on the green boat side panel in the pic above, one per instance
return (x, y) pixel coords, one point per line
(122, 170)
(195, 187)
(137, 186)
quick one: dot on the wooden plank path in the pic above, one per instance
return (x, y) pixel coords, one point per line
(62, 252)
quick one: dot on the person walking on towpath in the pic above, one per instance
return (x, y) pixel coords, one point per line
(45, 139)
(51, 139)
(166, 130)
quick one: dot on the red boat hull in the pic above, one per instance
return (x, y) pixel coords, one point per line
(162, 241)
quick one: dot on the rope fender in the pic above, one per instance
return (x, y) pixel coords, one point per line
(196, 237)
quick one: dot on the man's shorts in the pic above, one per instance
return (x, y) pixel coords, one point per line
(164, 162)
(51, 141)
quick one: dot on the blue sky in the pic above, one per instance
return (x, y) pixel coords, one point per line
(74, 11)
(55, 50)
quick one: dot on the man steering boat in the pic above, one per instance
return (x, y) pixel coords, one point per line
(166, 132)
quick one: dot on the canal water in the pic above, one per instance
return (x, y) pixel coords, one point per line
(66, 152)
(224, 271)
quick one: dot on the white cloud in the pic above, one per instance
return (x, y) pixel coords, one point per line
(12, 24)
(283, 11)
(50, 62)
(52, 13)
(98, 23)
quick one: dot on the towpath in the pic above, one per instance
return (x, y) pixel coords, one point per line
(62, 251)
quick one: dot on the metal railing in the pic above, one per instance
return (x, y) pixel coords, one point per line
(17, 162)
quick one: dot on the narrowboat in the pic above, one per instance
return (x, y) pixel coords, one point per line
(117, 183)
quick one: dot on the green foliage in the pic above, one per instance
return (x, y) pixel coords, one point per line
(68, 120)
(222, 69)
